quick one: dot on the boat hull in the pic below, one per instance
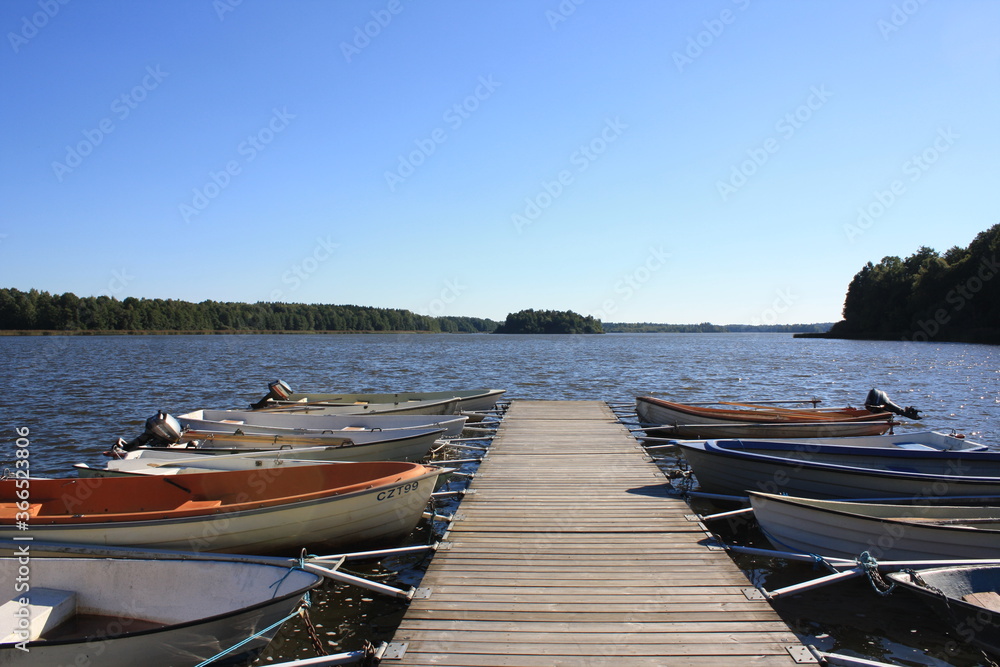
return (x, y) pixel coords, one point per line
(161, 612)
(915, 440)
(887, 532)
(944, 590)
(255, 421)
(374, 515)
(831, 471)
(416, 407)
(468, 400)
(402, 445)
(670, 419)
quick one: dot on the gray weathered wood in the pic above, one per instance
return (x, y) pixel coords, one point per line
(573, 551)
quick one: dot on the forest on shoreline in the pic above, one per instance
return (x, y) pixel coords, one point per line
(927, 296)
(949, 297)
(35, 311)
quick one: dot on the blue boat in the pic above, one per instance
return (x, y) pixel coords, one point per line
(840, 471)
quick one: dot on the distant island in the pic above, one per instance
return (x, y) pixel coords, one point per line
(954, 297)
(549, 322)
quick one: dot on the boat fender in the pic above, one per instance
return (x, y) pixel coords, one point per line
(878, 401)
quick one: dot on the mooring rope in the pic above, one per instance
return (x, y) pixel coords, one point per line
(256, 635)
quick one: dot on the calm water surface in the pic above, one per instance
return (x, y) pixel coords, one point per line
(77, 395)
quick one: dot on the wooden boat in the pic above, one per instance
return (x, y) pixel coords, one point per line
(314, 420)
(967, 597)
(137, 611)
(845, 529)
(240, 511)
(915, 440)
(671, 419)
(836, 471)
(469, 400)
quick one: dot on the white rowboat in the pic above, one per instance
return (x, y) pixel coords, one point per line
(845, 529)
(127, 612)
(173, 461)
(313, 420)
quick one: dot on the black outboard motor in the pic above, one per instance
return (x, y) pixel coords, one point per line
(276, 391)
(162, 430)
(878, 401)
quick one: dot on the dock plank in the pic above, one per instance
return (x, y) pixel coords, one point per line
(572, 551)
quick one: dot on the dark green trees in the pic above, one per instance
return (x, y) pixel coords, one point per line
(928, 296)
(35, 310)
(548, 322)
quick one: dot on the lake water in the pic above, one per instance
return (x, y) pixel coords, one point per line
(78, 394)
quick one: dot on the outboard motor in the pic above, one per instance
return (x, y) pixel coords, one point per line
(878, 401)
(162, 430)
(276, 391)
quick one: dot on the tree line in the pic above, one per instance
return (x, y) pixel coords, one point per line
(953, 296)
(532, 321)
(37, 310)
(708, 327)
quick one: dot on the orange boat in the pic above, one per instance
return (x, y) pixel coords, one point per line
(238, 511)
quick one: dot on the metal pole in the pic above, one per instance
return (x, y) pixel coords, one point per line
(722, 515)
(358, 581)
(348, 658)
(815, 583)
(788, 555)
(840, 660)
(356, 555)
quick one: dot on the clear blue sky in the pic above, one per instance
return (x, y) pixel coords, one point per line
(733, 161)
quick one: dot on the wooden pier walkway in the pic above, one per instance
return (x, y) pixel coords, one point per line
(570, 552)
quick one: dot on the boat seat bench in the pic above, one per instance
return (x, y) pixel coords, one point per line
(47, 608)
(8, 511)
(988, 599)
(199, 504)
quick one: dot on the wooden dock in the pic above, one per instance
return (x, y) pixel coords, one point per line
(570, 552)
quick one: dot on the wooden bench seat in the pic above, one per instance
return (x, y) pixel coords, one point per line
(199, 504)
(986, 599)
(8, 511)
